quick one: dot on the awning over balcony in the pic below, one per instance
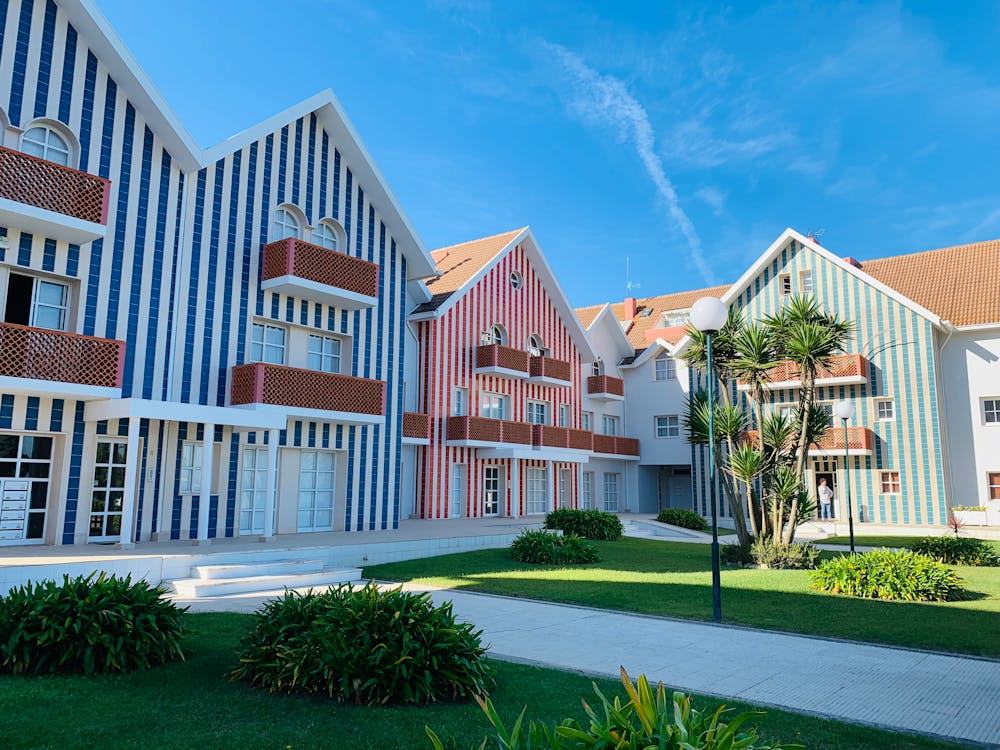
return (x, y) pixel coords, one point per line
(308, 271)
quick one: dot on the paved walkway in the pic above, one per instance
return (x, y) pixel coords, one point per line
(952, 697)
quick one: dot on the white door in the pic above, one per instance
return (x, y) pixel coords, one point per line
(316, 483)
(538, 491)
(253, 490)
(492, 487)
(109, 491)
(25, 462)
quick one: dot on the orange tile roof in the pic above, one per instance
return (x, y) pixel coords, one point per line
(960, 284)
(459, 263)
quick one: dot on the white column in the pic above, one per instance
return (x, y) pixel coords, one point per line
(132, 464)
(270, 500)
(515, 485)
(553, 484)
(207, 459)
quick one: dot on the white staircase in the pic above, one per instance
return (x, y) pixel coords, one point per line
(263, 577)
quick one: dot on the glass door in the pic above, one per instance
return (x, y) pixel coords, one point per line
(109, 491)
(25, 462)
(492, 487)
(316, 483)
(538, 495)
(253, 491)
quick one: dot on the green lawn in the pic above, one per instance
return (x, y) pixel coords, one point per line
(674, 578)
(192, 705)
(879, 541)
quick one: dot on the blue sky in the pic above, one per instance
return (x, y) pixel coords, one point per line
(680, 135)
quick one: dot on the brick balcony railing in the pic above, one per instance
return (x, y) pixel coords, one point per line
(260, 383)
(303, 260)
(496, 355)
(605, 384)
(548, 367)
(549, 436)
(53, 187)
(416, 425)
(42, 354)
(858, 439)
(486, 430)
(616, 445)
(842, 366)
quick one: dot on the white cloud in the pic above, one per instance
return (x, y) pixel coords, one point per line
(712, 197)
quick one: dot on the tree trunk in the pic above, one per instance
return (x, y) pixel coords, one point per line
(805, 402)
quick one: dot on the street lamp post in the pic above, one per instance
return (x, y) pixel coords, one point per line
(708, 315)
(845, 410)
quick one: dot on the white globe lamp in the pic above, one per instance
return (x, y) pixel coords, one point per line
(708, 314)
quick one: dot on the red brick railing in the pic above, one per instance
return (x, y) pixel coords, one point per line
(858, 438)
(615, 445)
(550, 436)
(260, 383)
(605, 384)
(495, 355)
(547, 367)
(486, 430)
(53, 187)
(42, 354)
(841, 366)
(416, 425)
(292, 257)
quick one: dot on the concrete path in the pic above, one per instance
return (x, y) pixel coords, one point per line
(952, 697)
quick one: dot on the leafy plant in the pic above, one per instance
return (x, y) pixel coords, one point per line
(549, 548)
(969, 507)
(364, 645)
(90, 624)
(683, 517)
(793, 556)
(644, 719)
(589, 524)
(958, 550)
(882, 574)
(736, 554)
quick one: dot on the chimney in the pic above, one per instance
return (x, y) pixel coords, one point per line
(630, 308)
(853, 262)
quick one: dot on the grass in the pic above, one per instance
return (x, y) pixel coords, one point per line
(878, 541)
(192, 704)
(674, 578)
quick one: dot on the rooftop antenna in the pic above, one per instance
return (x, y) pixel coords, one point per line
(815, 234)
(629, 284)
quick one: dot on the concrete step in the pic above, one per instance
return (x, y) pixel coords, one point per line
(194, 588)
(267, 568)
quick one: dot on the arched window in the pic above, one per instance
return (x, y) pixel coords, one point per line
(516, 279)
(496, 334)
(47, 143)
(536, 346)
(331, 235)
(285, 224)
(599, 367)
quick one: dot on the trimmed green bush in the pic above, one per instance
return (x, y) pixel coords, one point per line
(736, 554)
(88, 624)
(589, 524)
(641, 719)
(790, 557)
(548, 548)
(882, 574)
(364, 645)
(686, 519)
(958, 550)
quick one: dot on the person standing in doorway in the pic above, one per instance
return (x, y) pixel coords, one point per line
(825, 499)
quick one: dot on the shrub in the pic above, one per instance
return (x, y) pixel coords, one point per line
(363, 645)
(686, 519)
(589, 524)
(644, 719)
(882, 574)
(792, 556)
(969, 507)
(736, 554)
(88, 624)
(547, 548)
(958, 550)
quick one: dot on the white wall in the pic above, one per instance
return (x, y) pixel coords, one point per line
(646, 398)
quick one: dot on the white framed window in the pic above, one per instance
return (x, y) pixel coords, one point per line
(587, 490)
(889, 481)
(611, 424)
(457, 485)
(459, 401)
(495, 334)
(991, 410)
(785, 282)
(285, 224)
(317, 480)
(537, 412)
(516, 280)
(598, 368)
(536, 347)
(492, 405)
(192, 459)
(827, 409)
(325, 236)
(885, 410)
(611, 491)
(668, 426)
(38, 302)
(47, 143)
(564, 415)
(587, 420)
(324, 353)
(675, 318)
(993, 485)
(806, 282)
(537, 485)
(664, 367)
(267, 344)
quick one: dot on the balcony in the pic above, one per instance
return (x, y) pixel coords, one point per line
(416, 428)
(308, 271)
(501, 361)
(605, 388)
(860, 442)
(51, 200)
(549, 371)
(844, 369)
(548, 436)
(320, 395)
(614, 446)
(483, 432)
(69, 364)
